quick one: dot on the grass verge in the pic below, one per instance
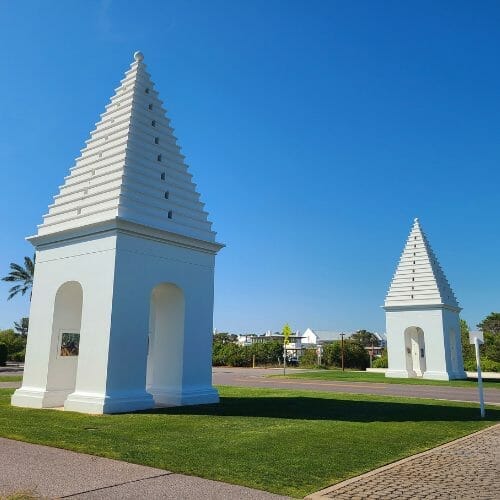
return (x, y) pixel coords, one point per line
(355, 376)
(11, 378)
(284, 441)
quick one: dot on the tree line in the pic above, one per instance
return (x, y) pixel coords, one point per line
(227, 352)
(490, 350)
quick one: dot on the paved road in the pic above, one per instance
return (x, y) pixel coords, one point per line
(50, 472)
(259, 377)
(466, 468)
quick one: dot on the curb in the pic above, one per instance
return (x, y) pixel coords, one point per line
(320, 495)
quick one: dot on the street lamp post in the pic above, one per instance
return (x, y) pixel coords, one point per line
(284, 357)
(287, 331)
(342, 349)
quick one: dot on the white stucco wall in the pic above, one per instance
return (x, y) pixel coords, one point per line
(90, 263)
(118, 272)
(436, 324)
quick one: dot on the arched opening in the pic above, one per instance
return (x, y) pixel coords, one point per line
(415, 351)
(65, 342)
(165, 343)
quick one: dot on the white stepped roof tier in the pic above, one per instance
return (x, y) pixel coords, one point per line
(419, 279)
(131, 169)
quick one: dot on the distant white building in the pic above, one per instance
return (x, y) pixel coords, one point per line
(315, 337)
(246, 339)
(422, 316)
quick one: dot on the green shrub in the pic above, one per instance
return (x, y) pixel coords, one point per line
(3, 354)
(266, 353)
(14, 342)
(487, 365)
(381, 362)
(489, 350)
(491, 346)
(309, 358)
(233, 354)
(18, 356)
(355, 355)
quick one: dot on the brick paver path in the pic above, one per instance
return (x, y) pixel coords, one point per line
(468, 468)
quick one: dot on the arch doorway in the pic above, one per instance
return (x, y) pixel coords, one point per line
(65, 341)
(165, 343)
(415, 351)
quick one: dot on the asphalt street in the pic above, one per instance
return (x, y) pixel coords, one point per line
(263, 377)
(260, 377)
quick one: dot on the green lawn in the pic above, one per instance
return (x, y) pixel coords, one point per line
(284, 441)
(354, 376)
(11, 378)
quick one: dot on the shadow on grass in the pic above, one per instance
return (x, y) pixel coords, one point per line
(312, 408)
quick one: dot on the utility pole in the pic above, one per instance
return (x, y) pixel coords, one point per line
(371, 356)
(342, 349)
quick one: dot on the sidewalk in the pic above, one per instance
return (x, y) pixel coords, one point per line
(463, 469)
(42, 471)
(466, 468)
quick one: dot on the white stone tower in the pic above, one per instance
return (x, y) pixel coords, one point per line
(122, 304)
(422, 316)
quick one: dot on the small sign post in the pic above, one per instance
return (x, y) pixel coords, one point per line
(477, 339)
(287, 331)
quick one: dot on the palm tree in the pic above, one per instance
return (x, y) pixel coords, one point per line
(22, 326)
(21, 274)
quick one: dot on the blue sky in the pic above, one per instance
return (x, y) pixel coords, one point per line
(315, 130)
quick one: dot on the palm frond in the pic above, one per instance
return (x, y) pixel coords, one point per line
(21, 274)
(14, 291)
(30, 265)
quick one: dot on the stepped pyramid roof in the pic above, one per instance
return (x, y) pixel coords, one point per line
(131, 169)
(419, 279)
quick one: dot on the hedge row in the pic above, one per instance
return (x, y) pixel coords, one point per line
(15, 344)
(355, 356)
(233, 354)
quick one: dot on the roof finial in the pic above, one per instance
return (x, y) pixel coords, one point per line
(138, 56)
(415, 220)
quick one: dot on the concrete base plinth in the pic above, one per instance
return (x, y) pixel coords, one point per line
(444, 375)
(35, 397)
(398, 374)
(166, 397)
(99, 404)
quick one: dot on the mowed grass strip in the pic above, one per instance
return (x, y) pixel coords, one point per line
(284, 441)
(355, 376)
(11, 378)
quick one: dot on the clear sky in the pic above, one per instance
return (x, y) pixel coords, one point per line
(315, 130)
